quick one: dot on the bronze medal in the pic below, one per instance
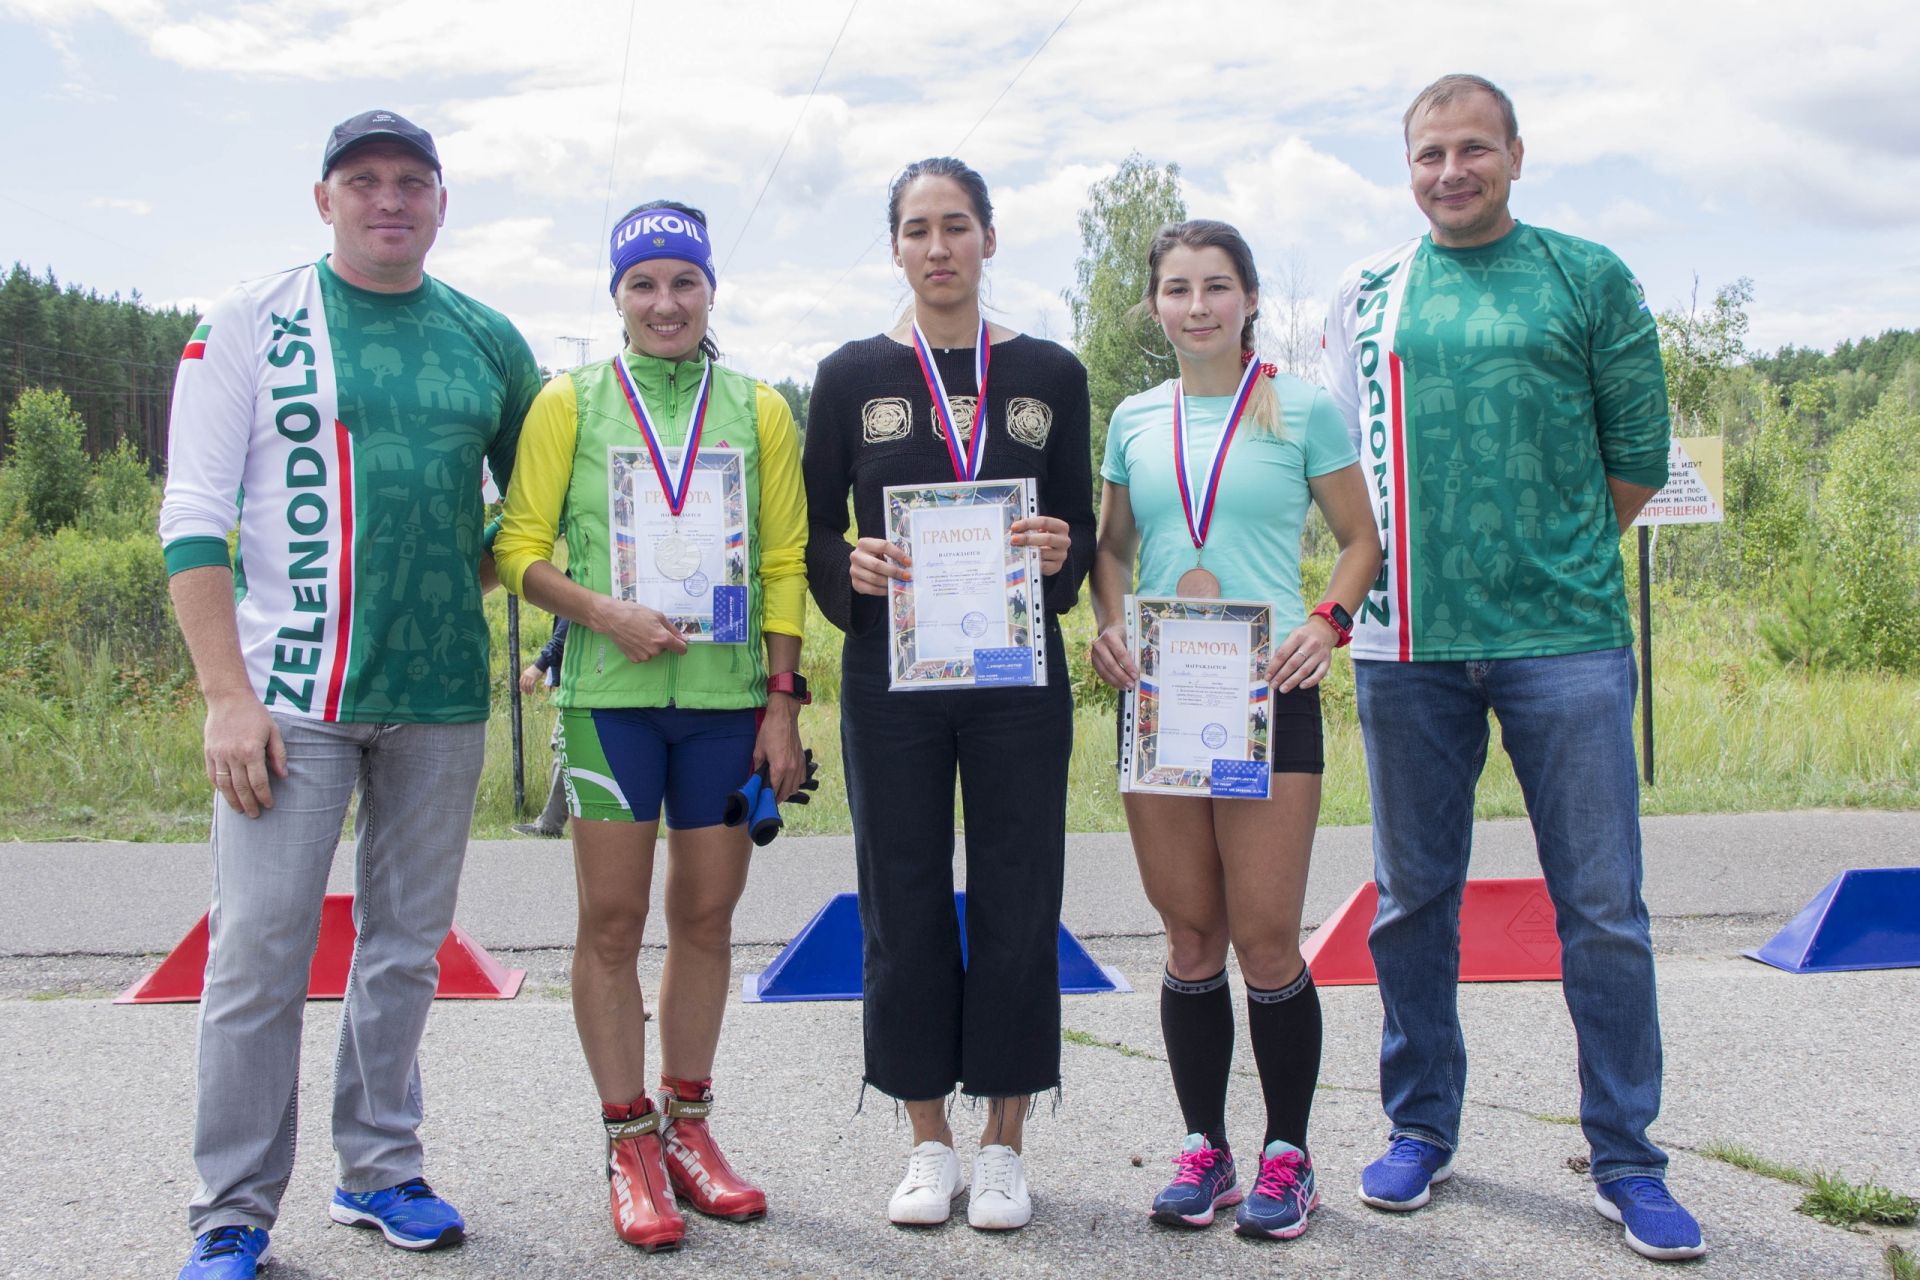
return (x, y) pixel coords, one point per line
(1198, 584)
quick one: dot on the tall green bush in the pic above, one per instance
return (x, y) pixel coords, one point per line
(123, 500)
(1869, 525)
(48, 460)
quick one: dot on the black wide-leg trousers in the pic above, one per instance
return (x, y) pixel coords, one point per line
(991, 1025)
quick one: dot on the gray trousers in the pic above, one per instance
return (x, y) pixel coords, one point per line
(416, 784)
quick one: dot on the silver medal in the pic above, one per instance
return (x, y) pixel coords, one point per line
(676, 557)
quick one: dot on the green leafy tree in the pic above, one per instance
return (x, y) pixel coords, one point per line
(1699, 345)
(798, 396)
(1124, 353)
(48, 461)
(123, 500)
(1869, 524)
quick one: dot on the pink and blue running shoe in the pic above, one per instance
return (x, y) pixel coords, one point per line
(410, 1215)
(227, 1253)
(1283, 1195)
(1202, 1182)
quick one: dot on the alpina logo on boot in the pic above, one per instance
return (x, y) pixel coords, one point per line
(622, 1191)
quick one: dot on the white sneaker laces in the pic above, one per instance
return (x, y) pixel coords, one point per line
(923, 1170)
(993, 1173)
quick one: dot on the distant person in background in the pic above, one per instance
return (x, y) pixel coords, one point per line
(552, 822)
(1503, 385)
(353, 401)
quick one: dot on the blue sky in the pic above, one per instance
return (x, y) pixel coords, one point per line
(171, 148)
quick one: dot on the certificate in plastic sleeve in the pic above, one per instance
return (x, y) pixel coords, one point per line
(692, 567)
(1197, 721)
(969, 617)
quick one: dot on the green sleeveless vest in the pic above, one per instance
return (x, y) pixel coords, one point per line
(594, 673)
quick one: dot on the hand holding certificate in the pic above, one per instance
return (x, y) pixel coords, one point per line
(966, 615)
(1196, 721)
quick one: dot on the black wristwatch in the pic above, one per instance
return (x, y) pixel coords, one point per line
(791, 683)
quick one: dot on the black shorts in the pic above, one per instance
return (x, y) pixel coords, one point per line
(1298, 746)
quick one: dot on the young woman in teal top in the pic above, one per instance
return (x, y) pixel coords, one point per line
(1232, 871)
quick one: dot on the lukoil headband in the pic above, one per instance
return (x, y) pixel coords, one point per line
(659, 233)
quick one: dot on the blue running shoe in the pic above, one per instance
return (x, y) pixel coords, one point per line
(410, 1216)
(1203, 1181)
(1283, 1195)
(1403, 1178)
(1657, 1227)
(227, 1253)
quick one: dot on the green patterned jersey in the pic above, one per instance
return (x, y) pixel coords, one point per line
(345, 431)
(1491, 392)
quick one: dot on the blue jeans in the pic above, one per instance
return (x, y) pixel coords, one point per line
(1567, 724)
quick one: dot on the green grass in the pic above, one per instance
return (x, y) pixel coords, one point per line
(1902, 1264)
(1830, 1198)
(1088, 1040)
(1843, 1204)
(95, 748)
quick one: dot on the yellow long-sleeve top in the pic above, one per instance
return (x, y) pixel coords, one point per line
(560, 482)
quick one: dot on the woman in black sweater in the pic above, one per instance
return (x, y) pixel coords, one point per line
(992, 1025)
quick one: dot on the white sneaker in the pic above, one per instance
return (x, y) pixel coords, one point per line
(1000, 1201)
(925, 1196)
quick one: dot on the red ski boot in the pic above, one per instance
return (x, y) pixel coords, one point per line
(644, 1214)
(699, 1172)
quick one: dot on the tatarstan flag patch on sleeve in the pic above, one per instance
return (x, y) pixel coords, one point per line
(196, 348)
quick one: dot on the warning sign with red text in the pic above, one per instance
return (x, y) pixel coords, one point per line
(1696, 484)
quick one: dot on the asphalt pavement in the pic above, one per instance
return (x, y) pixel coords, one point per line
(1815, 1071)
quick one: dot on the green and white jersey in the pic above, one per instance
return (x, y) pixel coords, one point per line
(345, 431)
(1491, 392)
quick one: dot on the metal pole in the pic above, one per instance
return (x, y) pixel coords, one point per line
(1646, 653)
(513, 694)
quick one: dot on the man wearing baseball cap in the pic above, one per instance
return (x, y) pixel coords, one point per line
(352, 400)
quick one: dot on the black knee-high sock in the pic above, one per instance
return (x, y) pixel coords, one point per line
(1285, 1025)
(1196, 1021)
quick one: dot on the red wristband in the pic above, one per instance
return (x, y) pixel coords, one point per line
(1335, 616)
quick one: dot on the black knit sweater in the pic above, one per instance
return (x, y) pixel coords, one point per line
(870, 425)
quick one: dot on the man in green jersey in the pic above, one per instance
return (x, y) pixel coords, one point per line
(352, 401)
(1502, 383)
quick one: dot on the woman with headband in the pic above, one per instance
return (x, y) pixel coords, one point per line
(658, 707)
(1224, 871)
(947, 396)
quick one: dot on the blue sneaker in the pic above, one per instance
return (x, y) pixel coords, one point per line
(1657, 1227)
(1403, 1178)
(227, 1253)
(410, 1216)
(1202, 1182)
(1283, 1195)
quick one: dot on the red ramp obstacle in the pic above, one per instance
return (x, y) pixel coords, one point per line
(1864, 919)
(823, 962)
(467, 972)
(1506, 935)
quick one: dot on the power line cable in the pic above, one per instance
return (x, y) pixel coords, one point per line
(613, 152)
(790, 136)
(878, 237)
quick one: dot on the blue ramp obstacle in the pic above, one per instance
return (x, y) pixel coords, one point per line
(823, 960)
(1864, 919)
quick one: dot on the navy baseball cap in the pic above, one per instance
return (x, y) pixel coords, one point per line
(375, 126)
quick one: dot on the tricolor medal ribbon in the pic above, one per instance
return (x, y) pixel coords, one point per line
(674, 488)
(966, 465)
(1199, 523)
